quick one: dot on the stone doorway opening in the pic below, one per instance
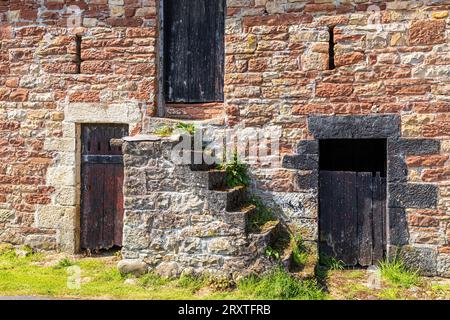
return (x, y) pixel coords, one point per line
(352, 200)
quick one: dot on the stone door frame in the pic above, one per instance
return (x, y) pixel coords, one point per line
(401, 194)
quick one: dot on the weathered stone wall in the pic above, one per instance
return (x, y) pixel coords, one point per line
(44, 98)
(394, 63)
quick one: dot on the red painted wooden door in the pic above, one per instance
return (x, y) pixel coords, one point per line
(101, 186)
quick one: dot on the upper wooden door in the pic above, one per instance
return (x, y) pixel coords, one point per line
(194, 50)
(101, 186)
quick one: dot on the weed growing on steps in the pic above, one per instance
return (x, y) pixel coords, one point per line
(396, 272)
(186, 127)
(299, 252)
(278, 284)
(263, 217)
(164, 131)
(237, 172)
(272, 253)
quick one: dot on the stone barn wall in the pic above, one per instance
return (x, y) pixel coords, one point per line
(394, 61)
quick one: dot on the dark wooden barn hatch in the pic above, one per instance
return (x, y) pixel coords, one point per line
(101, 186)
(194, 51)
(352, 200)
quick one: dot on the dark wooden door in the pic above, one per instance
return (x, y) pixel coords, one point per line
(101, 186)
(194, 51)
(352, 217)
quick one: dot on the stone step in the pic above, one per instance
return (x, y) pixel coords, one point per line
(217, 179)
(286, 259)
(238, 219)
(267, 236)
(227, 199)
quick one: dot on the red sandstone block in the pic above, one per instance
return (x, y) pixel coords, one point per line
(276, 20)
(85, 96)
(28, 14)
(427, 32)
(391, 72)
(124, 22)
(348, 59)
(319, 7)
(37, 199)
(140, 32)
(423, 221)
(60, 67)
(18, 95)
(439, 129)
(426, 161)
(30, 32)
(444, 249)
(333, 90)
(408, 90)
(431, 107)
(92, 67)
(436, 175)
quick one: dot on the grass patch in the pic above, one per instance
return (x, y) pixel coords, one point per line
(331, 263)
(164, 131)
(396, 273)
(263, 218)
(390, 294)
(278, 284)
(188, 128)
(300, 254)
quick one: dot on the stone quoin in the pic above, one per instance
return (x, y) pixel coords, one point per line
(312, 71)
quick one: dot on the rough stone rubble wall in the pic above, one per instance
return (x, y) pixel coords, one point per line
(176, 224)
(43, 101)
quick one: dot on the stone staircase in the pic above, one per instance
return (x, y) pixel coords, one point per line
(233, 202)
(181, 217)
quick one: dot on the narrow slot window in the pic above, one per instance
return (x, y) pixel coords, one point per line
(78, 40)
(331, 65)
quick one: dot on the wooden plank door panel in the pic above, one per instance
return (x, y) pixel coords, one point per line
(194, 50)
(364, 208)
(102, 180)
(379, 218)
(352, 217)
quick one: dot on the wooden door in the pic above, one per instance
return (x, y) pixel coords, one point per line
(194, 51)
(101, 186)
(352, 217)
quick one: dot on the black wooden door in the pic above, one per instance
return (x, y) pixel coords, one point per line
(101, 186)
(352, 217)
(194, 50)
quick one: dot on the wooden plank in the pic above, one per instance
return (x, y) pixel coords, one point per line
(349, 238)
(118, 222)
(379, 220)
(337, 212)
(194, 50)
(109, 206)
(325, 213)
(364, 209)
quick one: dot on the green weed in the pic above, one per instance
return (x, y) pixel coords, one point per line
(398, 274)
(237, 172)
(278, 284)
